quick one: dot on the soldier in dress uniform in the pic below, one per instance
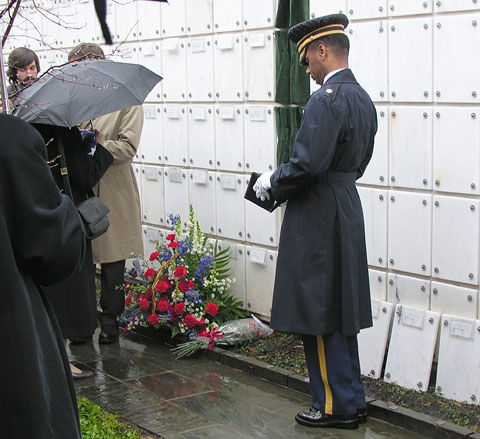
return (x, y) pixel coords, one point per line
(321, 284)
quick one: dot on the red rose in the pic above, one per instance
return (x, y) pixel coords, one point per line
(180, 272)
(154, 256)
(173, 317)
(190, 321)
(128, 299)
(167, 281)
(201, 326)
(162, 287)
(162, 306)
(185, 285)
(144, 304)
(173, 244)
(170, 237)
(211, 309)
(149, 273)
(153, 319)
(148, 293)
(179, 309)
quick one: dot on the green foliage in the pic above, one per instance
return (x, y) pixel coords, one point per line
(230, 307)
(175, 331)
(96, 424)
(188, 348)
(222, 259)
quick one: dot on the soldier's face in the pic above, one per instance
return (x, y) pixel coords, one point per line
(315, 62)
(27, 74)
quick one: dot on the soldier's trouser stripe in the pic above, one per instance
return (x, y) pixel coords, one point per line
(334, 372)
(323, 368)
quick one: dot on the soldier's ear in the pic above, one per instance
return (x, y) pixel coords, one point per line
(322, 51)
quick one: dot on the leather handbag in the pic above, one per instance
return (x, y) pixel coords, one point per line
(93, 210)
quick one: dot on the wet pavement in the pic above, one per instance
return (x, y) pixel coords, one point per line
(197, 398)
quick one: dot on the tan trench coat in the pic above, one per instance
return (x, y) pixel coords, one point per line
(118, 187)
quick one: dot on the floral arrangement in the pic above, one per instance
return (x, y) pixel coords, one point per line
(183, 284)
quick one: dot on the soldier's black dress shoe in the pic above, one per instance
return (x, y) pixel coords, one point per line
(362, 415)
(108, 334)
(316, 418)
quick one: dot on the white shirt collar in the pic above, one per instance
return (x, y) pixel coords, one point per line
(329, 75)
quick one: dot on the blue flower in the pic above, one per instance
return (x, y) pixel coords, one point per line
(132, 273)
(203, 267)
(174, 219)
(164, 254)
(184, 247)
(192, 296)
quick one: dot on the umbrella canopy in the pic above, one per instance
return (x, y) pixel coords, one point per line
(82, 90)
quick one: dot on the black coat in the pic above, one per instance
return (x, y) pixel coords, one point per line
(74, 300)
(321, 282)
(42, 243)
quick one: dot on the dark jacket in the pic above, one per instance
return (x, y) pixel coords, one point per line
(84, 171)
(74, 300)
(321, 283)
(43, 242)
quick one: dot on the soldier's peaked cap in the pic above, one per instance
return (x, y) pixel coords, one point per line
(302, 34)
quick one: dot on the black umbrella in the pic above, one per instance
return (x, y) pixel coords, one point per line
(83, 90)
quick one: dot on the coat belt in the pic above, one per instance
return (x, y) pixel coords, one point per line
(338, 179)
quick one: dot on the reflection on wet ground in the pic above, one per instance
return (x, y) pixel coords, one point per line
(139, 379)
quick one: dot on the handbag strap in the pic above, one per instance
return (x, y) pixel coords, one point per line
(63, 168)
(64, 172)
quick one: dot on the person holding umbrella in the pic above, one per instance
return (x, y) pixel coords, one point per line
(74, 300)
(118, 190)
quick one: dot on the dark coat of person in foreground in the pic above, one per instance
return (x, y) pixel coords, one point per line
(321, 284)
(74, 300)
(43, 242)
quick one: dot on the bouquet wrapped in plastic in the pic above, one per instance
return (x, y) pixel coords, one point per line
(230, 333)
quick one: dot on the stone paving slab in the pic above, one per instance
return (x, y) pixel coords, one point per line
(402, 417)
(140, 380)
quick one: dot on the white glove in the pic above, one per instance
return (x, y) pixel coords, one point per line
(262, 194)
(262, 185)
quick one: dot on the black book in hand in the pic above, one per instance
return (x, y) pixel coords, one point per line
(250, 195)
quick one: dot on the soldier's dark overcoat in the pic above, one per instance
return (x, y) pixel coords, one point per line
(321, 282)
